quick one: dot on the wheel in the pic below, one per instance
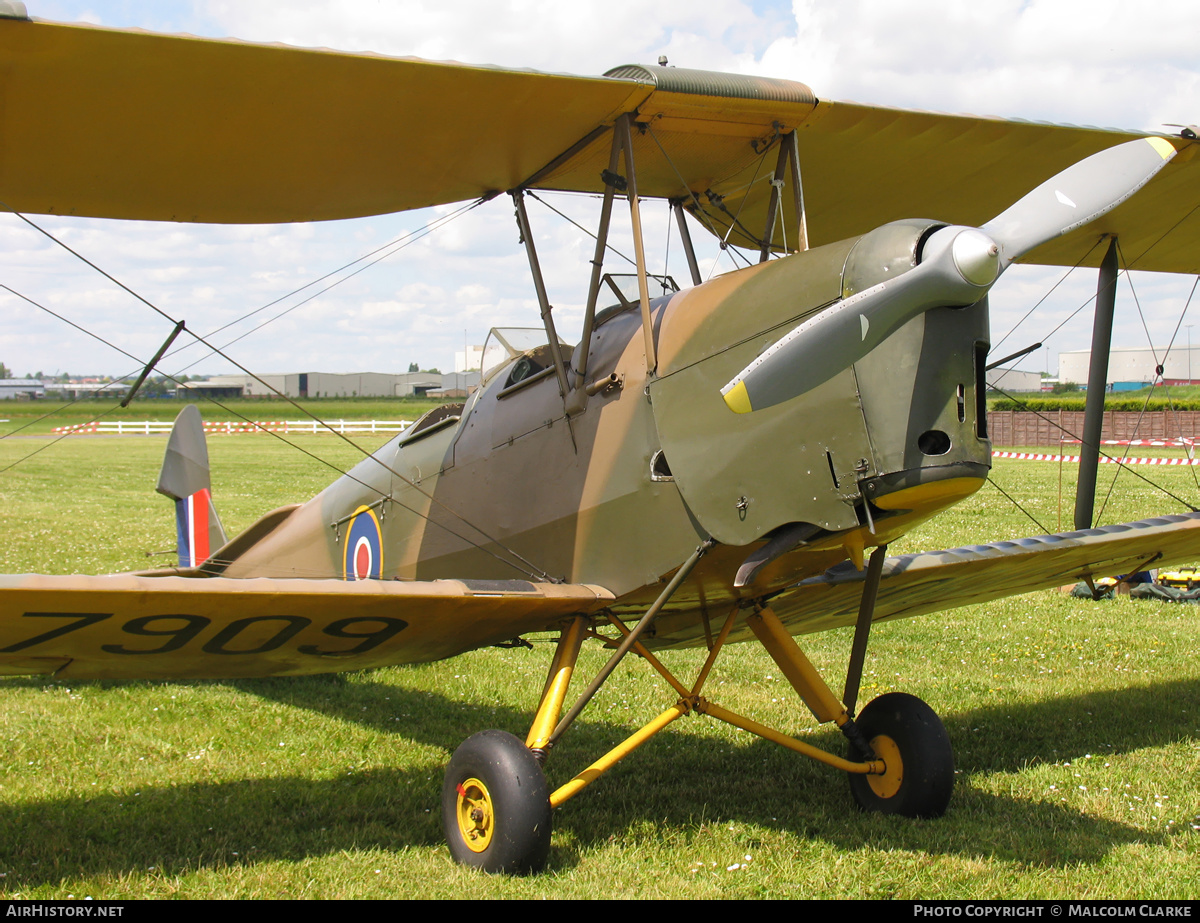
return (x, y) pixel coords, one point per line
(911, 740)
(495, 806)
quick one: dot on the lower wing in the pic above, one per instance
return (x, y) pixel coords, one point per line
(916, 584)
(128, 626)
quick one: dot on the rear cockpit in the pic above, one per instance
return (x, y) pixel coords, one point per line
(521, 356)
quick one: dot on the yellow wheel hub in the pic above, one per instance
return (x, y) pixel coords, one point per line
(886, 785)
(475, 820)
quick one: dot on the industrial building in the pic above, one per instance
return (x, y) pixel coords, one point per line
(469, 359)
(456, 385)
(21, 389)
(33, 389)
(1134, 364)
(328, 384)
(1014, 380)
(86, 388)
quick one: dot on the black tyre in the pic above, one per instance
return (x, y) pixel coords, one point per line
(911, 740)
(495, 805)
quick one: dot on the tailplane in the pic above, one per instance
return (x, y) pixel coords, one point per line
(184, 478)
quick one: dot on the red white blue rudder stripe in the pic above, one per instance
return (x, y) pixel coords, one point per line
(192, 528)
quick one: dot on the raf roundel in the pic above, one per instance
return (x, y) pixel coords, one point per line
(363, 558)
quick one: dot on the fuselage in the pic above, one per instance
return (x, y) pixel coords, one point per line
(509, 486)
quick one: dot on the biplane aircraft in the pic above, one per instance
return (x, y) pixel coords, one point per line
(721, 462)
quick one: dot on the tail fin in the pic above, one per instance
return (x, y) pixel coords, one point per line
(184, 478)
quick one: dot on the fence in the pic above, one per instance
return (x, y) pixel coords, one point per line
(148, 427)
(1055, 427)
(1006, 427)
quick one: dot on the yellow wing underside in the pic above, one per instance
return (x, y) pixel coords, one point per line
(135, 627)
(128, 124)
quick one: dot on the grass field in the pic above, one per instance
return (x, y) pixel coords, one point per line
(40, 417)
(1076, 727)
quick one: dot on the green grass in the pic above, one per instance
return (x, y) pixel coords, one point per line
(40, 417)
(1076, 728)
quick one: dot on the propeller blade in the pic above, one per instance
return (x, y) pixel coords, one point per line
(958, 266)
(1079, 194)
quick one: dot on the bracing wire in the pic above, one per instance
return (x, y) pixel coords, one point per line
(392, 247)
(1015, 503)
(537, 572)
(1074, 437)
(1125, 454)
(277, 435)
(569, 220)
(1158, 377)
(1128, 265)
(735, 218)
(699, 210)
(1141, 314)
(1041, 301)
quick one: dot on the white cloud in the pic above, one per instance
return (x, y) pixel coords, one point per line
(1120, 64)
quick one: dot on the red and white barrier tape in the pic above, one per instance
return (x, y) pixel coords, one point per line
(1038, 456)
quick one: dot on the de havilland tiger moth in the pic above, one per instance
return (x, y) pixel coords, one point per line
(725, 461)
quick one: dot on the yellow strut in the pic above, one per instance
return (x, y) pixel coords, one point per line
(640, 649)
(713, 710)
(784, 651)
(798, 669)
(715, 649)
(616, 754)
(557, 684)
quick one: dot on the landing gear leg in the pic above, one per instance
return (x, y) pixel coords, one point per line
(911, 763)
(495, 805)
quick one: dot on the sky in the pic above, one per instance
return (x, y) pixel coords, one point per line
(1096, 63)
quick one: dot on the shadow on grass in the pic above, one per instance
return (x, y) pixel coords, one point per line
(1006, 738)
(181, 828)
(1003, 738)
(418, 715)
(676, 786)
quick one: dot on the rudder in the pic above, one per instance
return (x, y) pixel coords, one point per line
(184, 478)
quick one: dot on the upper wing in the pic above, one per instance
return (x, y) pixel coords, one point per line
(136, 627)
(864, 166)
(127, 124)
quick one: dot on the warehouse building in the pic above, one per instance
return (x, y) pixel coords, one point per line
(317, 384)
(1134, 364)
(1009, 380)
(21, 389)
